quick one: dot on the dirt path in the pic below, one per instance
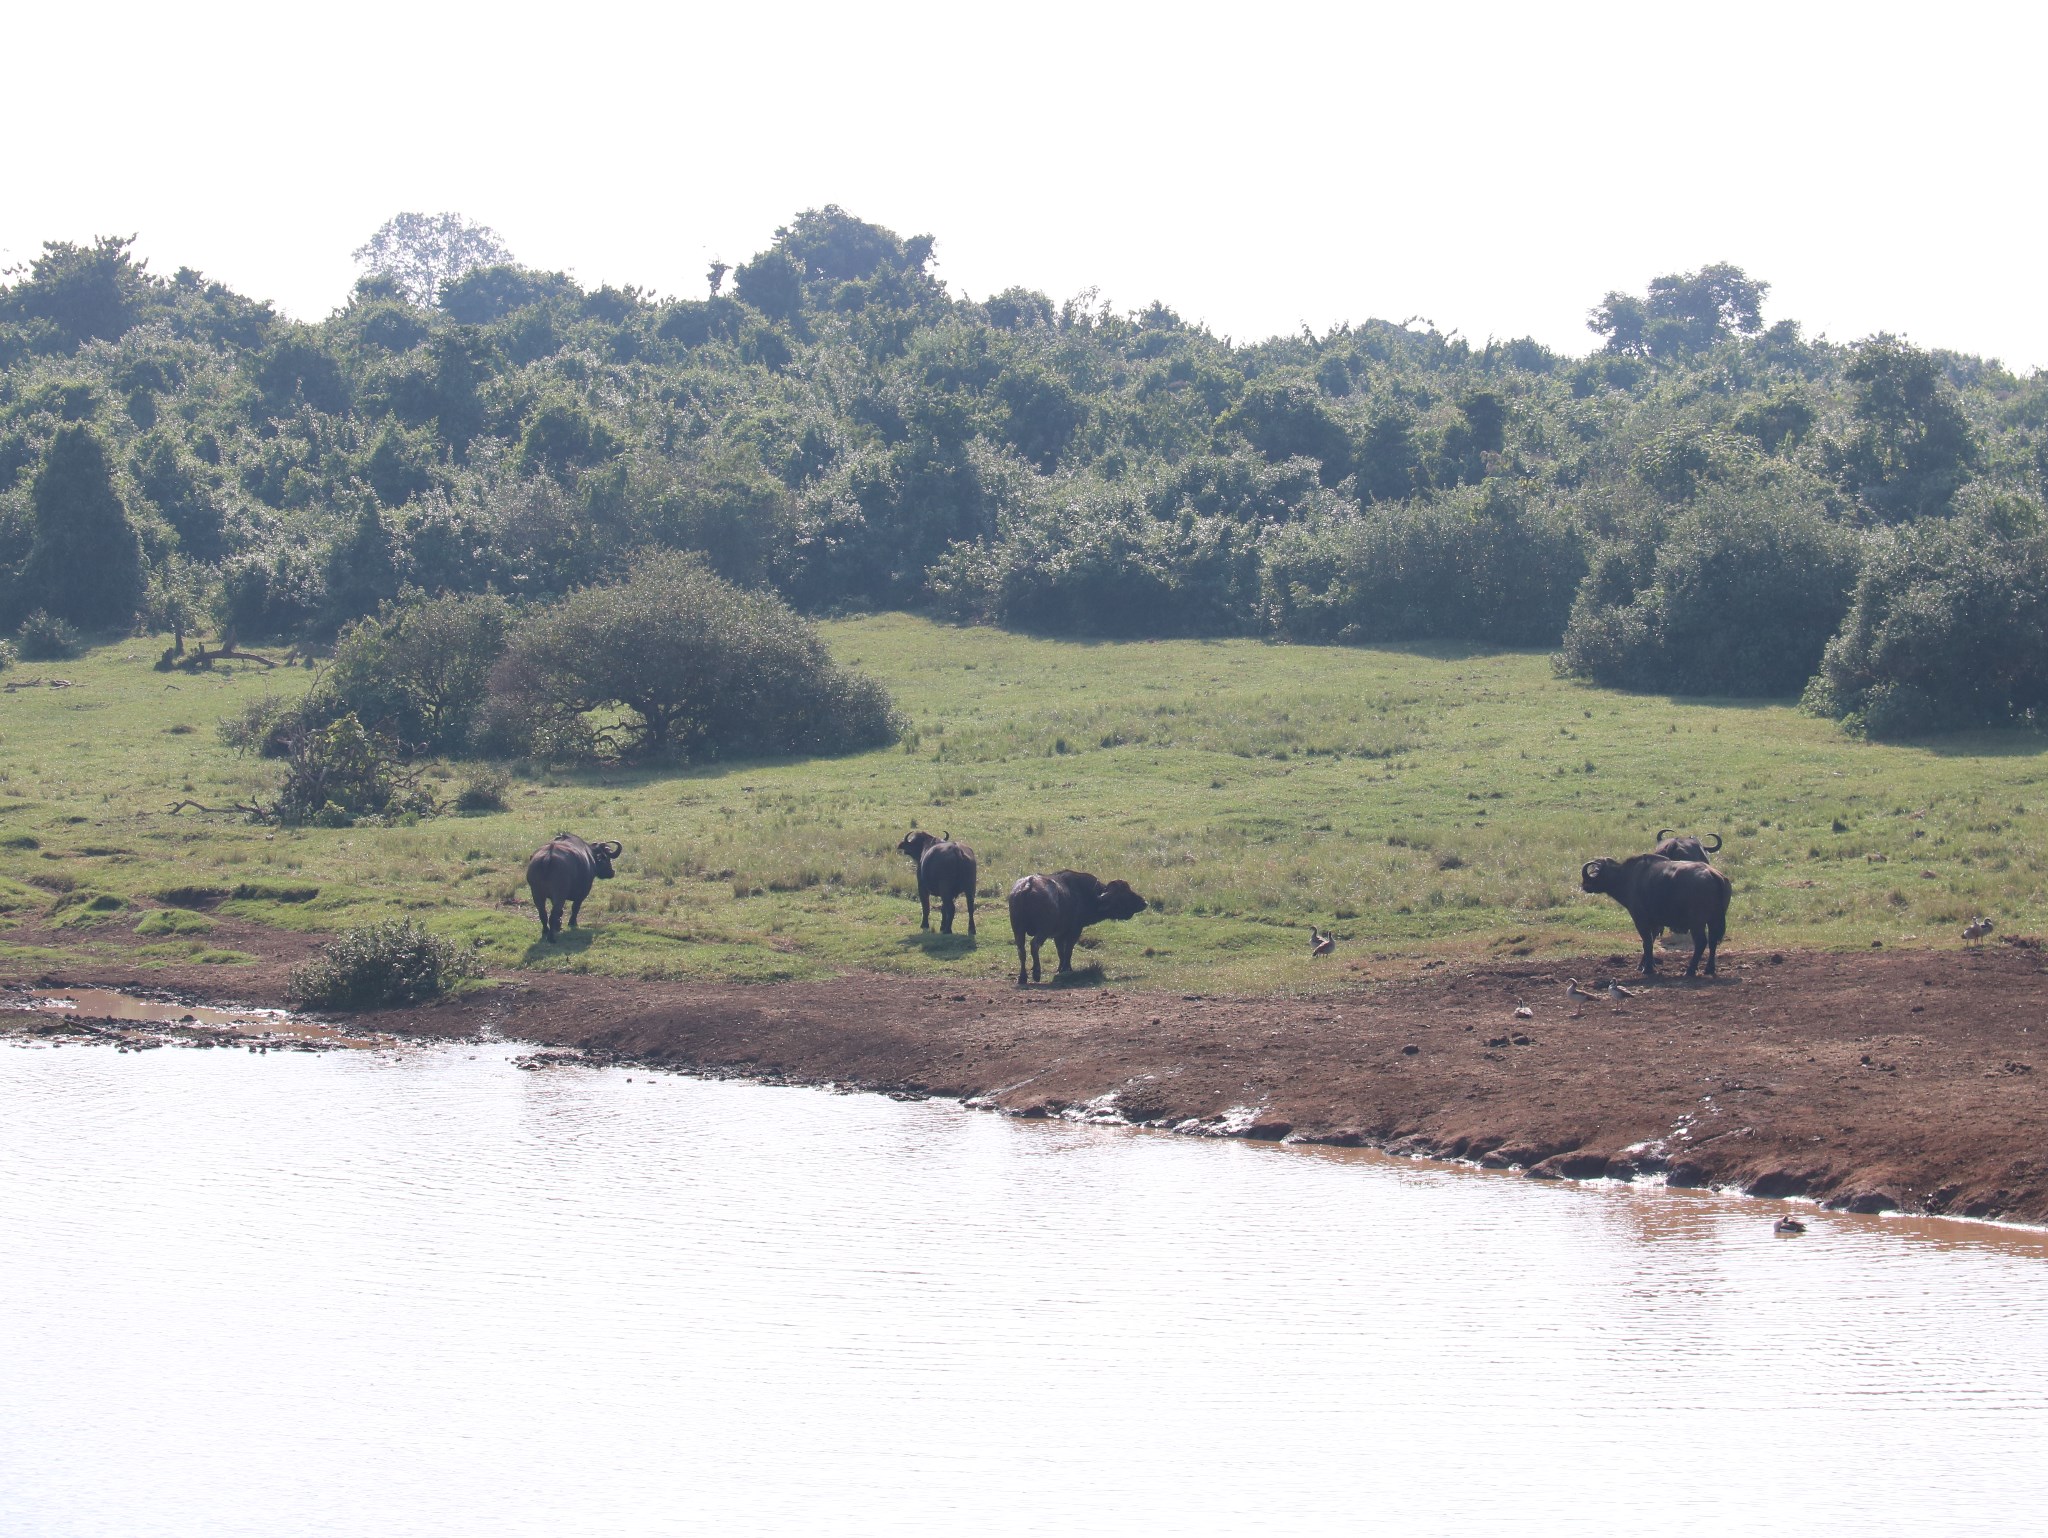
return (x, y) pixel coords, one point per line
(1899, 1079)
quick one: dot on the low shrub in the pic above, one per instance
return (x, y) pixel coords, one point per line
(340, 773)
(699, 668)
(44, 637)
(483, 791)
(376, 966)
(264, 726)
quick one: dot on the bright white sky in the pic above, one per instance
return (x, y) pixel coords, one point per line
(1256, 166)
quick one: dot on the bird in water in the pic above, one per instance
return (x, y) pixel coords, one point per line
(1572, 990)
(1976, 929)
(1320, 944)
(1617, 993)
(1788, 1226)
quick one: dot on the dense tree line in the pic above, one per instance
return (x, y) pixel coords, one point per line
(1706, 504)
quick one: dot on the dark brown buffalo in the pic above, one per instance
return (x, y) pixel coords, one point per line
(561, 871)
(1685, 847)
(1058, 907)
(1685, 895)
(945, 870)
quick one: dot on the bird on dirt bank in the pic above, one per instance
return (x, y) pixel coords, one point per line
(1524, 1012)
(1975, 931)
(1320, 944)
(1788, 1226)
(1572, 990)
(1617, 993)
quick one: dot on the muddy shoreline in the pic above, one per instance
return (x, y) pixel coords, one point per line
(1914, 1081)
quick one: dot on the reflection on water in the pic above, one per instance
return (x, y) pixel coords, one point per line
(423, 1293)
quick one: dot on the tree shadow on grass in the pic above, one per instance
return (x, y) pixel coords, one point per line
(940, 947)
(570, 942)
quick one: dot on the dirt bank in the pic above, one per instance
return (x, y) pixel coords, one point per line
(1915, 1080)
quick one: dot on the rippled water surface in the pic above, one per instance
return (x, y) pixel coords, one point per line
(421, 1292)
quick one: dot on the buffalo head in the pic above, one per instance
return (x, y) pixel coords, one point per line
(1599, 875)
(1118, 901)
(916, 842)
(602, 855)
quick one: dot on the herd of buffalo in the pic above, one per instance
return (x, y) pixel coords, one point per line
(1673, 887)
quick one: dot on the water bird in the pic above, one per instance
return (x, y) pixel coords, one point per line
(1524, 1012)
(1617, 993)
(1572, 990)
(1788, 1226)
(1976, 929)
(1320, 944)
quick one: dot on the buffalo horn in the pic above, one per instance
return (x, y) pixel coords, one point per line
(1663, 834)
(611, 850)
(1715, 846)
(1587, 869)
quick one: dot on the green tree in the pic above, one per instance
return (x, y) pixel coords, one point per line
(84, 293)
(1683, 313)
(418, 670)
(1913, 446)
(85, 564)
(772, 283)
(1948, 628)
(422, 252)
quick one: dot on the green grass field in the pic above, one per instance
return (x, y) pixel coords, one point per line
(1429, 800)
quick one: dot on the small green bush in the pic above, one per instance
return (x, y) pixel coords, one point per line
(340, 773)
(375, 966)
(483, 791)
(43, 637)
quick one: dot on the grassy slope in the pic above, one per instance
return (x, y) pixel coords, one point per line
(1436, 799)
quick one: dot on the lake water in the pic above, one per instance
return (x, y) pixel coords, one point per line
(422, 1292)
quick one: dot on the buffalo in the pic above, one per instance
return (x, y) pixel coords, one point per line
(945, 870)
(561, 871)
(1058, 907)
(1661, 894)
(1685, 847)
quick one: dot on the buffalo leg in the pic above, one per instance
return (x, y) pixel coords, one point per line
(1037, 943)
(1699, 945)
(575, 908)
(946, 914)
(970, 910)
(925, 898)
(1065, 945)
(540, 906)
(1017, 931)
(1649, 950)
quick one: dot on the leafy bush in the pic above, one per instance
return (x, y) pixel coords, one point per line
(338, 773)
(1475, 564)
(1106, 568)
(483, 791)
(1948, 628)
(376, 966)
(417, 671)
(266, 726)
(43, 637)
(1743, 592)
(703, 668)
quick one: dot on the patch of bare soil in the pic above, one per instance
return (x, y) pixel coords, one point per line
(1910, 1080)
